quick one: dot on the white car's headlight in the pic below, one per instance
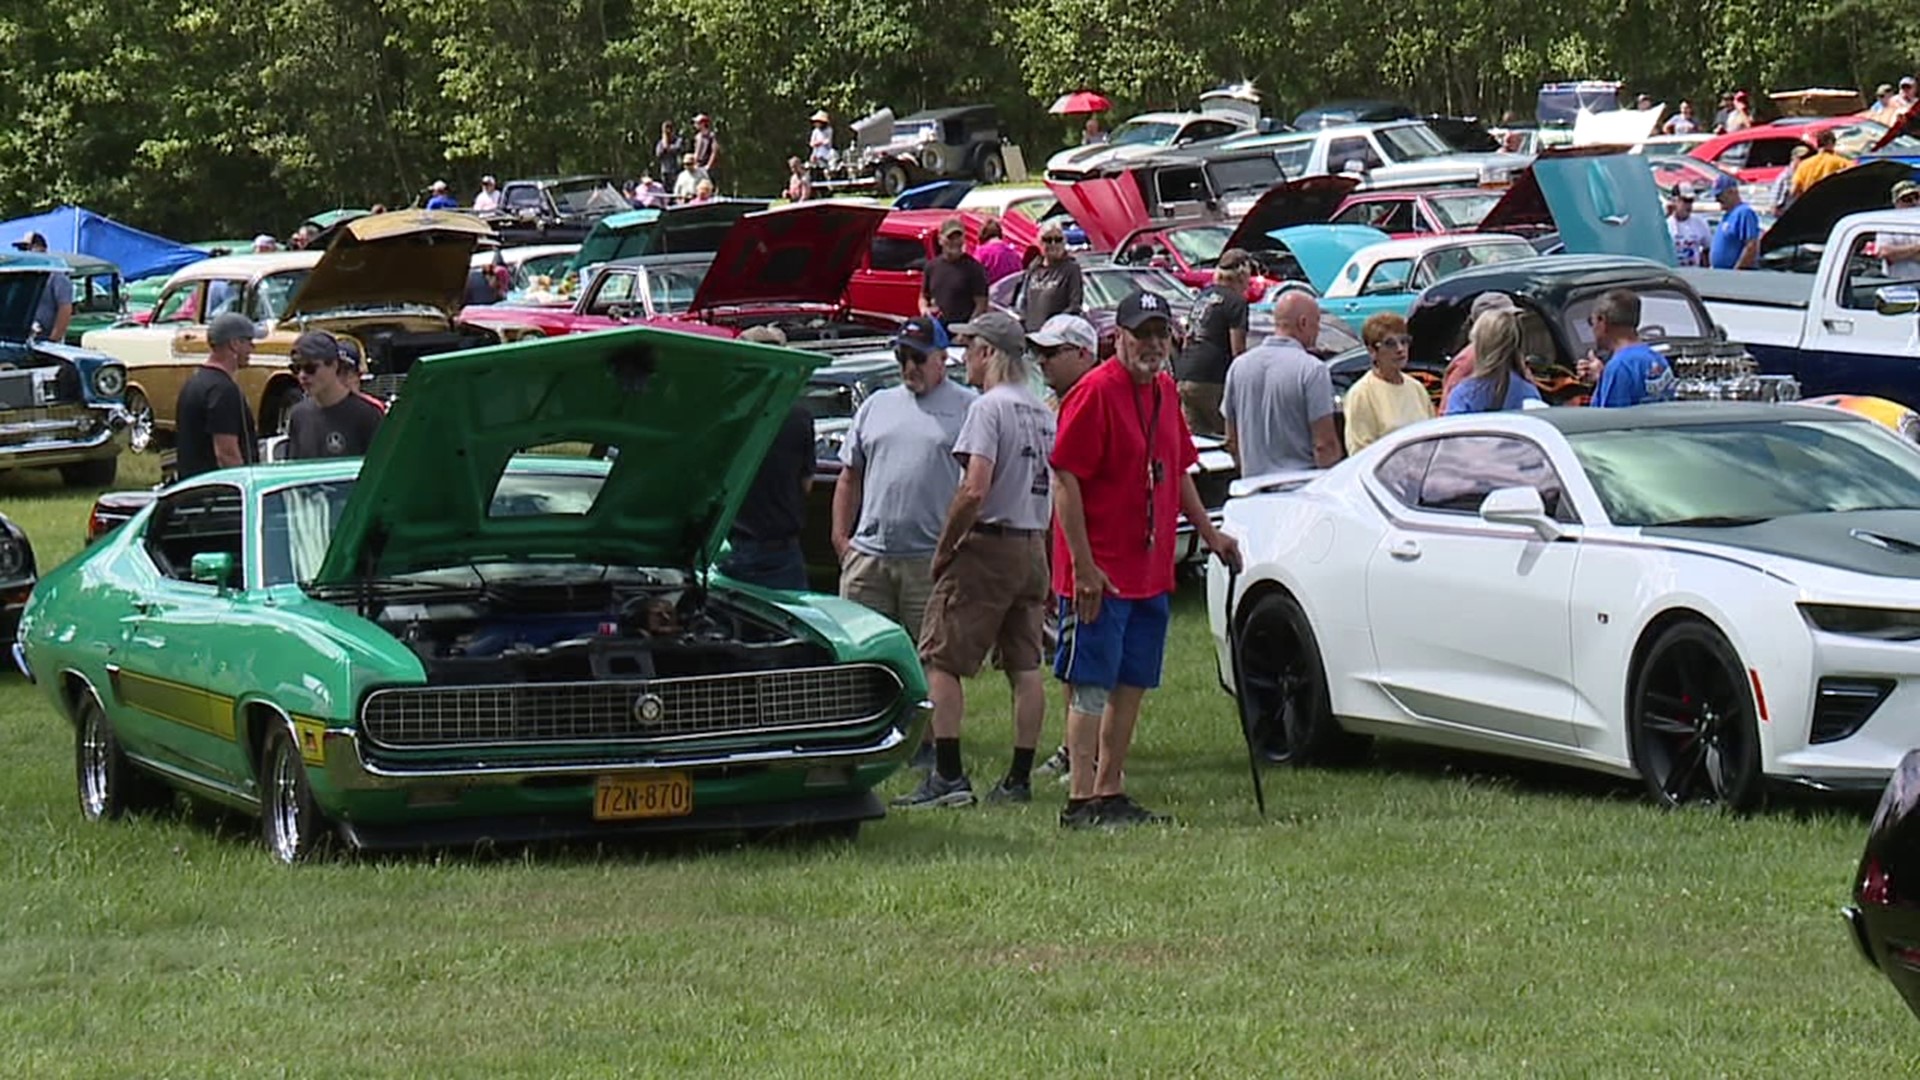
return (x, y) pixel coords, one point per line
(1884, 624)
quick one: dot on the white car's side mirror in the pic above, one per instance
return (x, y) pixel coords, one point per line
(1519, 506)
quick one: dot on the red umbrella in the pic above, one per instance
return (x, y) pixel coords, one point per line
(1079, 103)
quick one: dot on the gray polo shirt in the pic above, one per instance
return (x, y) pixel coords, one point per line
(1010, 427)
(58, 292)
(903, 446)
(1274, 394)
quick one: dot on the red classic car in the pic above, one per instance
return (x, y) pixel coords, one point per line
(887, 284)
(1757, 154)
(788, 266)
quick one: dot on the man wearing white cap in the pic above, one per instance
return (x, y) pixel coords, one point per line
(440, 200)
(1068, 347)
(265, 244)
(489, 196)
(1691, 238)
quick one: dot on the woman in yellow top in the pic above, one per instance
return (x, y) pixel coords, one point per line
(1384, 399)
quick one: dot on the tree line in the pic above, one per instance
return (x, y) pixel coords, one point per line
(196, 120)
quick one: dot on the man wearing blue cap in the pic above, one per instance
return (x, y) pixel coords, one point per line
(1736, 243)
(899, 476)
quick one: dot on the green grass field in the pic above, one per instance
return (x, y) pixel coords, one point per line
(1423, 915)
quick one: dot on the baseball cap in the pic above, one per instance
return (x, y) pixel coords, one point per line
(30, 241)
(1684, 192)
(1490, 301)
(1883, 89)
(702, 118)
(1065, 329)
(438, 185)
(923, 335)
(1906, 81)
(1140, 308)
(1742, 96)
(952, 225)
(996, 328)
(1723, 184)
(485, 180)
(349, 353)
(317, 345)
(265, 240)
(1905, 188)
(230, 326)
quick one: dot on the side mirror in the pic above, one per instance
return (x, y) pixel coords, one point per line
(1519, 506)
(211, 568)
(1896, 300)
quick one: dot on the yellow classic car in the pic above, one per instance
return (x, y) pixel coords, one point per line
(391, 282)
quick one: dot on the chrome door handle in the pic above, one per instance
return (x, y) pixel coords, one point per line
(1839, 326)
(1405, 550)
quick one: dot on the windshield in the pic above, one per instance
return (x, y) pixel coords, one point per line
(1856, 139)
(1449, 261)
(671, 288)
(583, 196)
(1259, 172)
(299, 521)
(276, 290)
(1199, 247)
(1411, 142)
(1739, 472)
(918, 131)
(1143, 133)
(1458, 213)
(1664, 313)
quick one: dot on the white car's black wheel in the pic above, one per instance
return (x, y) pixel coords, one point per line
(1283, 688)
(140, 431)
(1692, 721)
(290, 821)
(109, 785)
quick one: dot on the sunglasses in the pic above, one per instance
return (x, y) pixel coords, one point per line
(1053, 240)
(1908, 200)
(1048, 352)
(1155, 329)
(306, 367)
(1402, 340)
(903, 355)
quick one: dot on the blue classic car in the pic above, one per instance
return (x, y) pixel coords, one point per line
(60, 406)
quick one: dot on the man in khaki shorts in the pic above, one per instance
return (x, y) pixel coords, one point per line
(899, 475)
(990, 569)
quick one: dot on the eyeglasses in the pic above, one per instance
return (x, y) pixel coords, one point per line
(1048, 352)
(904, 355)
(1402, 340)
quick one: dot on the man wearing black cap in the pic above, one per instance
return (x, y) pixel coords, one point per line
(213, 427)
(333, 421)
(1120, 462)
(899, 474)
(54, 309)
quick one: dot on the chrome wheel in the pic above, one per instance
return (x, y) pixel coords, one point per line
(290, 822)
(92, 765)
(140, 432)
(1693, 732)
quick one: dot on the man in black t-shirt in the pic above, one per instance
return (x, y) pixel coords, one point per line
(333, 421)
(953, 286)
(766, 533)
(213, 425)
(1216, 333)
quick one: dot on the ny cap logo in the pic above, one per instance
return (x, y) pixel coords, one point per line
(1149, 301)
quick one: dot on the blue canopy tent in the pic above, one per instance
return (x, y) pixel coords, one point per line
(76, 229)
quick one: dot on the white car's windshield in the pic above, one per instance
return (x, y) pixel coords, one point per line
(1411, 142)
(1200, 246)
(1458, 213)
(1143, 133)
(1736, 473)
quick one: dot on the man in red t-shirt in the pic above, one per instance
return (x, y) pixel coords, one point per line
(1120, 465)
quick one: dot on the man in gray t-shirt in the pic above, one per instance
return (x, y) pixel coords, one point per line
(1278, 401)
(54, 309)
(898, 477)
(990, 586)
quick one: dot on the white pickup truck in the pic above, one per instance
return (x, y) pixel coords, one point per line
(1851, 327)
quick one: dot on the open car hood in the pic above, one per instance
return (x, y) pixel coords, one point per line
(22, 278)
(1308, 200)
(695, 227)
(1109, 208)
(1601, 201)
(1810, 218)
(691, 417)
(801, 254)
(1323, 250)
(381, 260)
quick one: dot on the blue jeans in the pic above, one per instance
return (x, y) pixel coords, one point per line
(775, 565)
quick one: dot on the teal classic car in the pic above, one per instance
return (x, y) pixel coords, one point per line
(61, 407)
(482, 634)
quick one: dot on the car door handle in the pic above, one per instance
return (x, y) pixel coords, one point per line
(1405, 550)
(1839, 326)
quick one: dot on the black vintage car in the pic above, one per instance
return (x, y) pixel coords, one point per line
(17, 576)
(554, 209)
(892, 155)
(1885, 914)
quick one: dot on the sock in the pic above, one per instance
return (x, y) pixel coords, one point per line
(946, 758)
(1021, 771)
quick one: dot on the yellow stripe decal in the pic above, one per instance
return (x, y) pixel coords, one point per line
(199, 709)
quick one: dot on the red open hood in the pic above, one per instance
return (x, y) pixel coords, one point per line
(1107, 207)
(1310, 200)
(802, 254)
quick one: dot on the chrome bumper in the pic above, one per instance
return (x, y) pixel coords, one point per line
(37, 443)
(20, 661)
(348, 769)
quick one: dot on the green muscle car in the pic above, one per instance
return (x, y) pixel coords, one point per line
(482, 633)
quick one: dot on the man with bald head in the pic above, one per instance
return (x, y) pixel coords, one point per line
(1278, 401)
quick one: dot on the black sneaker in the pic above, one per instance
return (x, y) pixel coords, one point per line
(1010, 791)
(1084, 816)
(935, 791)
(1121, 810)
(1055, 765)
(922, 758)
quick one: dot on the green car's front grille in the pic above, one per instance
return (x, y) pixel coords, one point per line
(629, 710)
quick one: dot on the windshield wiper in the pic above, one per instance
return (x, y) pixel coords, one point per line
(1715, 521)
(321, 590)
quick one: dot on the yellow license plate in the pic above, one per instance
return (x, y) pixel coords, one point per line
(619, 798)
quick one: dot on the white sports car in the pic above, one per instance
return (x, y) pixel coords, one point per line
(1708, 596)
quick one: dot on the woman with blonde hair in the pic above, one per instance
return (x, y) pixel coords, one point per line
(1384, 399)
(1500, 380)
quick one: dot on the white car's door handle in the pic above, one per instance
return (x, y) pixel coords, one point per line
(1839, 326)
(1405, 550)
